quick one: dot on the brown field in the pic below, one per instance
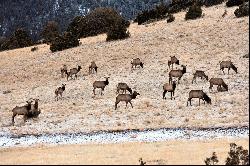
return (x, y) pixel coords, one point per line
(200, 44)
(170, 152)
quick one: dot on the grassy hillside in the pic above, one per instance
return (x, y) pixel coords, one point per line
(199, 44)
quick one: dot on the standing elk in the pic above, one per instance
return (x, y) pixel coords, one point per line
(101, 85)
(229, 65)
(201, 74)
(72, 72)
(59, 91)
(173, 60)
(218, 81)
(64, 71)
(136, 62)
(126, 97)
(93, 68)
(22, 110)
(123, 87)
(177, 73)
(169, 88)
(198, 94)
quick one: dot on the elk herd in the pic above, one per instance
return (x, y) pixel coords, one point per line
(31, 110)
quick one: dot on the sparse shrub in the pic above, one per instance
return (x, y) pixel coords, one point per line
(237, 155)
(99, 21)
(243, 10)
(34, 49)
(65, 41)
(50, 32)
(179, 5)
(231, 3)
(212, 160)
(141, 161)
(158, 13)
(171, 18)
(19, 39)
(193, 12)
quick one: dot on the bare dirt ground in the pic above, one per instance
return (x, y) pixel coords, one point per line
(199, 44)
(170, 152)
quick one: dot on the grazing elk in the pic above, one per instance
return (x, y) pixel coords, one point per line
(59, 91)
(173, 61)
(22, 110)
(201, 74)
(198, 94)
(169, 88)
(93, 67)
(177, 73)
(229, 65)
(136, 62)
(123, 87)
(101, 85)
(126, 97)
(73, 71)
(64, 70)
(218, 81)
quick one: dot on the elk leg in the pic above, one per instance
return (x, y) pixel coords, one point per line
(171, 95)
(94, 91)
(131, 104)
(116, 104)
(199, 101)
(164, 93)
(126, 104)
(25, 118)
(228, 70)
(13, 119)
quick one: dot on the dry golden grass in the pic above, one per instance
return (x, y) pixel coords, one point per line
(200, 44)
(170, 152)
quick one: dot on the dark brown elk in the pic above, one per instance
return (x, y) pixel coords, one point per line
(59, 91)
(169, 88)
(173, 60)
(126, 97)
(229, 65)
(200, 74)
(64, 71)
(218, 81)
(124, 87)
(92, 68)
(101, 85)
(72, 72)
(136, 62)
(177, 73)
(22, 110)
(198, 94)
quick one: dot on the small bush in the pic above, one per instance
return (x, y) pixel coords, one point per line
(34, 49)
(171, 18)
(212, 160)
(65, 41)
(231, 3)
(179, 5)
(194, 12)
(237, 155)
(243, 10)
(19, 39)
(50, 32)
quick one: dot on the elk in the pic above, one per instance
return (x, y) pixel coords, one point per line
(198, 94)
(59, 91)
(93, 67)
(169, 88)
(173, 60)
(35, 111)
(177, 73)
(136, 62)
(201, 74)
(227, 64)
(218, 81)
(22, 110)
(126, 97)
(73, 71)
(101, 85)
(64, 70)
(123, 87)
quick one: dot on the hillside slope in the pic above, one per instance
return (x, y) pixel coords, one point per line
(199, 44)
